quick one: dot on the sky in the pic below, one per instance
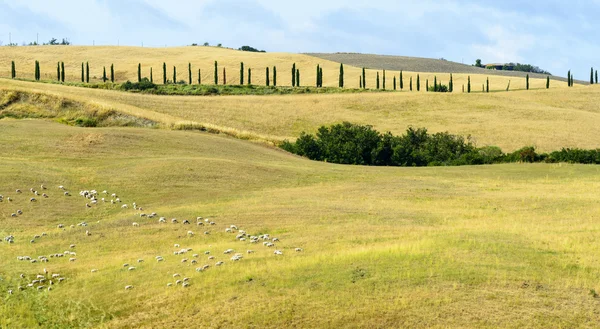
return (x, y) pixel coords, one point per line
(554, 35)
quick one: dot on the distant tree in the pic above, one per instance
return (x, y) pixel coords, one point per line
(527, 81)
(377, 80)
(274, 76)
(364, 79)
(251, 49)
(164, 73)
(297, 77)
(360, 82)
(241, 73)
(151, 77)
(435, 85)
(592, 76)
(569, 78)
(478, 63)
(451, 84)
(87, 72)
(418, 83)
(224, 76)
(13, 70)
(318, 84)
(487, 85)
(58, 71)
(394, 83)
(596, 76)
(199, 77)
(401, 81)
(410, 83)
(268, 79)
(548, 82)
(427, 85)
(294, 75)
(341, 78)
(249, 76)
(139, 72)
(469, 84)
(82, 73)
(321, 76)
(174, 74)
(206, 44)
(190, 73)
(62, 71)
(39, 73)
(104, 78)
(112, 73)
(216, 73)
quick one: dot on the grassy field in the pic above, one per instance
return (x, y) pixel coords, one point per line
(203, 58)
(547, 119)
(491, 246)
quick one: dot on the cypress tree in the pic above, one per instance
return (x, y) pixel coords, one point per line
(139, 72)
(112, 73)
(360, 82)
(596, 76)
(321, 77)
(274, 76)
(378, 80)
(58, 71)
(174, 74)
(418, 83)
(451, 84)
(318, 75)
(268, 81)
(224, 77)
(87, 72)
(435, 85)
(569, 78)
(104, 75)
(527, 81)
(151, 77)
(294, 75)
(548, 82)
(394, 83)
(164, 73)
(364, 79)
(249, 76)
(297, 77)
(216, 73)
(190, 73)
(13, 70)
(383, 79)
(199, 77)
(241, 73)
(82, 73)
(401, 81)
(487, 85)
(410, 84)
(39, 73)
(592, 76)
(469, 84)
(62, 71)
(341, 79)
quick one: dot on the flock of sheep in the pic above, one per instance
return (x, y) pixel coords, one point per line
(45, 280)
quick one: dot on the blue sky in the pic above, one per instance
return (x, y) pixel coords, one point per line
(555, 35)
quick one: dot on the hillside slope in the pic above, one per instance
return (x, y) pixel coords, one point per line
(126, 60)
(382, 247)
(419, 64)
(547, 119)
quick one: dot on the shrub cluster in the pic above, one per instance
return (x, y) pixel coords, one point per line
(144, 84)
(348, 143)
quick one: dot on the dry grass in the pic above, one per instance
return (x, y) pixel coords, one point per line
(487, 247)
(547, 119)
(126, 59)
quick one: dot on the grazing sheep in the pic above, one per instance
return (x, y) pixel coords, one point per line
(211, 257)
(250, 251)
(228, 230)
(142, 215)
(184, 260)
(94, 270)
(72, 246)
(207, 252)
(299, 250)
(67, 194)
(60, 187)
(140, 260)
(213, 223)
(233, 227)
(9, 199)
(123, 206)
(185, 285)
(275, 239)
(219, 263)
(178, 282)
(270, 245)
(190, 233)
(20, 212)
(176, 275)
(186, 222)
(206, 232)
(71, 259)
(87, 233)
(43, 187)
(200, 224)
(169, 284)
(45, 195)
(195, 255)
(18, 191)
(126, 264)
(228, 251)
(278, 252)
(162, 220)
(13, 215)
(61, 226)
(194, 261)
(176, 245)
(128, 287)
(136, 224)
(174, 220)
(131, 268)
(61, 279)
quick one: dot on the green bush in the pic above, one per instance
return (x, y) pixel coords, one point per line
(144, 84)
(440, 88)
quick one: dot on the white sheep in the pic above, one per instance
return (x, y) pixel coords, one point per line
(131, 268)
(278, 252)
(219, 263)
(128, 287)
(250, 251)
(176, 275)
(136, 224)
(94, 270)
(190, 233)
(299, 250)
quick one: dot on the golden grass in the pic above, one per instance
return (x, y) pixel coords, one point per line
(126, 60)
(547, 119)
(487, 247)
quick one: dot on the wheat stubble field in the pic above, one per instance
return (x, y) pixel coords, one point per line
(476, 246)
